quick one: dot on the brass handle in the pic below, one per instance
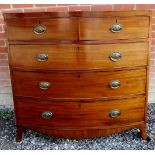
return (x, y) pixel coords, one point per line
(44, 85)
(115, 56)
(116, 28)
(39, 29)
(42, 57)
(115, 113)
(115, 84)
(47, 115)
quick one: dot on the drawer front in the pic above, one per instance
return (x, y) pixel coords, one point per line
(39, 29)
(79, 114)
(113, 28)
(44, 56)
(79, 85)
(87, 57)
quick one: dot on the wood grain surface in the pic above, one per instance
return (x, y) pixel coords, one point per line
(99, 28)
(79, 70)
(75, 85)
(56, 29)
(72, 115)
(72, 56)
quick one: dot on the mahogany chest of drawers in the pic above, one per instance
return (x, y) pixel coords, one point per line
(79, 74)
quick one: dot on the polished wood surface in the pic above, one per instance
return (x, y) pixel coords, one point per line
(77, 42)
(93, 132)
(56, 29)
(79, 56)
(84, 85)
(97, 56)
(79, 69)
(99, 28)
(11, 16)
(59, 56)
(83, 115)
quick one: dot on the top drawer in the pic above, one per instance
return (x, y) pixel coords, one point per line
(39, 29)
(113, 28)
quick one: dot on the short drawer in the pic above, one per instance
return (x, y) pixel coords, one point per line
(79, 85)
(46, 114)
(39, 29)
(113, 28)
(102, 56)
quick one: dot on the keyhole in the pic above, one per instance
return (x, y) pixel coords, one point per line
(79, 76)
(79, 105)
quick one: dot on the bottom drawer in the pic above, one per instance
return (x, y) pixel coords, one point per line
(79, 114)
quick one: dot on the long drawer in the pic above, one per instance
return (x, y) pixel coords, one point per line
(79, 85)
(40, 29)
(102, 56)
(79, 114)
(113, 28)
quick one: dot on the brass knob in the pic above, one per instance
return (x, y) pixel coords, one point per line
(115, 84)
(44, 85)
(39, 29)
(42, 57)
(47, 115)
(115, 113)
(116, 28)
(115, 56)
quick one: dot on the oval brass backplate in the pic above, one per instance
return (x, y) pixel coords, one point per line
(39, 29)
(116, 27)
(115, 113)
(44, 85)
(47, 115)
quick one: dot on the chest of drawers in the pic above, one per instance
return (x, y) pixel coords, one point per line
(79, 74)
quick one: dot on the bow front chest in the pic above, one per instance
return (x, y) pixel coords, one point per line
(79, 74)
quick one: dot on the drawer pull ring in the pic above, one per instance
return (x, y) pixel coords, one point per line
(115, 84)
(115, 113)
(39, 29)
(42, 57)
(44, 85)
(47, 115)
(115, 56)
(116, 28)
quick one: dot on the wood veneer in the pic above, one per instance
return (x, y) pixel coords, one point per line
(72, 56)
(78, 45)
(57, 29)
(98, 28)
(90, 85)
(83, 114)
